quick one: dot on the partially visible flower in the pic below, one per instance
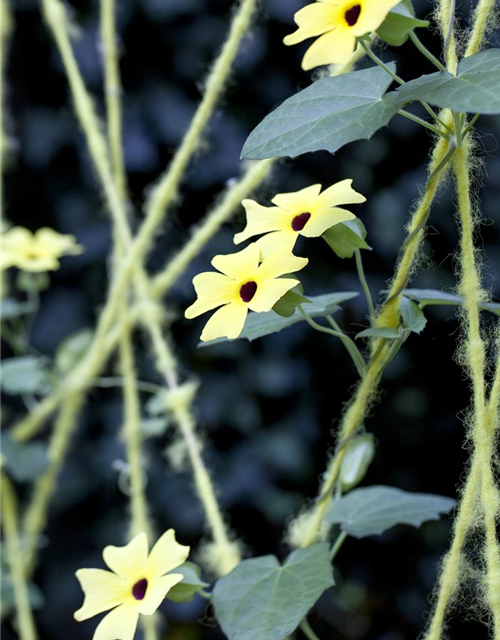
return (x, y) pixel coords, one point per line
(36, 252)
(338, 23)
(243, 285)
(136, 584)
(306, 212)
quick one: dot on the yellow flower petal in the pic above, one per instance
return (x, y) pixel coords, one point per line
(267, 296)
(241, 265)
(128, 561)
(298, 201)
(332, 47)
(227, 322)
(156, 592)
(36, 252)
(167, 554)
(119, 624)
(261, 219)
(276, 240)
(213, 290)
(57, 243)
(15, 238)
(324, 219)
(37, 264)
(313, 20)
(103, 590)
(340, 193)
(373, 13)
(277, 264)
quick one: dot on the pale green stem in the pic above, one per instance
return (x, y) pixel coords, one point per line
(470, 125)
(484, 18)
(380, 63)
(115, 381)
(81, 377)
(228, 553)
(355, 415)
(165, 190)
(113, 92)
(306, 629)
(364, 283)
(423, 49)
(337, 545)
(140, 520)
(14, 557)
(423, 123)
(351, 347)
(257, 172)
(35, 518)
(338, 333)
(400, 81)
(55, 15)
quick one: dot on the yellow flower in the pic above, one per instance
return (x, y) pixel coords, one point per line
(38, 251)
(136, 584)
(338, 23)
(241, 286)
(306, 212)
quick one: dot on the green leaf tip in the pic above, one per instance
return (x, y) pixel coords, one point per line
(326, 116)
(372, 510)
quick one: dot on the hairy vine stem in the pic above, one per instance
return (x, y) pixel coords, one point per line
(14, 556)
(131, 265)
(389, 315)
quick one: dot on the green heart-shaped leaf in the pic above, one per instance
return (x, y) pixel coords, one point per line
(264, 600)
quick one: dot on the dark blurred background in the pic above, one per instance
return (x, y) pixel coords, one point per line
(267, 409)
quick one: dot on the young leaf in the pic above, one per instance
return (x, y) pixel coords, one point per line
(26, 374)
(263, 600)
(413, 316)
(475, 88)
(157, 404)
(288, 303)
(72, 349)
(191, 583)
(358, 457)
(379, 332)
(11, 308)
(372, 510)
(29, 281)
(154, 427)
(259, 325)
(399, 23)
(327, 115)
(25, 462)
(345, 238)
(8, 598)
(427, 297)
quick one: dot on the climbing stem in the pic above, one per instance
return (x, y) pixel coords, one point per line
(14, 557)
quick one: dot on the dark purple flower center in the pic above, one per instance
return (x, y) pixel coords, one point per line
(247, 290)
(351, 15)
(300, 221)
(139, 589)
